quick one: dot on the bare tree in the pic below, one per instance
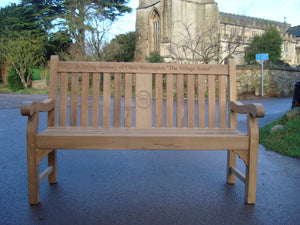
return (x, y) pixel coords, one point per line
(203, 46)
(95, 38)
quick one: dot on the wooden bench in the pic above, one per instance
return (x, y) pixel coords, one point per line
(96, 105)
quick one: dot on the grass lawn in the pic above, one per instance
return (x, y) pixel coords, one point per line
(284, 141)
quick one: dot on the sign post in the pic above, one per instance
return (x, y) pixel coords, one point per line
(262, 57)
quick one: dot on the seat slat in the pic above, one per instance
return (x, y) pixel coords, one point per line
(139, 138)
(95, 99)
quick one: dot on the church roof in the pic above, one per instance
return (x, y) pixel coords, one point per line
(238, 19)
(295, 31)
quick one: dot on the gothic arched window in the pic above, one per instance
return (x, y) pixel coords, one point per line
(155, 31)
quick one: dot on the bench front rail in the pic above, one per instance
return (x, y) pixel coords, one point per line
(95, 105)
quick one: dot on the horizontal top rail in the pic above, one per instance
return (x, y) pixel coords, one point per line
(141, 68)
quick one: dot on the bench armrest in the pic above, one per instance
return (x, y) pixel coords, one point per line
(256, 110)
(29, 108)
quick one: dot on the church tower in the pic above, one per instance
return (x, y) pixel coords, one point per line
(160, 24)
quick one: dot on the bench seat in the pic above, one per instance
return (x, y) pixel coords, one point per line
(142, 138)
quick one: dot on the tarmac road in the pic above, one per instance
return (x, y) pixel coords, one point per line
(143, 187)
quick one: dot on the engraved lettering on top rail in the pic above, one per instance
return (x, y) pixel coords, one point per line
(134, 67)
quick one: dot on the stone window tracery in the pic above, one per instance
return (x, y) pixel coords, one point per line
(155, 31)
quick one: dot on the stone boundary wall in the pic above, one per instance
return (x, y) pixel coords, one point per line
(277, 82)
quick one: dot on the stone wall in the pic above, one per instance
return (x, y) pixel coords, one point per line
(277, 82)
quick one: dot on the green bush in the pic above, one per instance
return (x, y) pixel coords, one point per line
(155, 58)
(14, 80)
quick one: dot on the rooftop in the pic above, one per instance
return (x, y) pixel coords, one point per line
(249, 19)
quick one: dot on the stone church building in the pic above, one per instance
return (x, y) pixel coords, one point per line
(196, 30)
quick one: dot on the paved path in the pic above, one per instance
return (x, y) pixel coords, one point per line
(143, 187)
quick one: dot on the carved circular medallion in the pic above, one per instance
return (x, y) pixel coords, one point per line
(143, 99)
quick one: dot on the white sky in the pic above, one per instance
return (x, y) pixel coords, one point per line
(266, 9)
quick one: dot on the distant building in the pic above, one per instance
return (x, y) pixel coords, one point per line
(161, 24)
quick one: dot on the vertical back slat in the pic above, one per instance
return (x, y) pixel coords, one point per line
(201, 100)
(222, 101)
(53, 88)
(95, 99)
(232, 93)
(63, 99)
(158, 100)
(74, 100)
(117, 100)
(106, 100)
(169, 101)
(180, 101)
(211, 101)
(84, 111)
(128, 101)
(143, 101)
(191, 101)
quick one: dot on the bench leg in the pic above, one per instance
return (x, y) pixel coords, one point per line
(32, 161)
(33, 177)
(231, 162)
(251, 169)
(52, 162)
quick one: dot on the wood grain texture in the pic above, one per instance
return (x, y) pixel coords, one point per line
(143, 136)
(74, 100)
(117, 100)
(191, 101)
(232, 93)
(84, 106)
(140, 68)
(201, 100)
(143, 101)
(180, 101)
(63, 99)
(106, 100)
(29, 108)
(53, 81)
(222, 102)
(128, 101)
(256, 110)
(158, 100)
(169, 101)
(96, 99)
(211, 101)
(251, 169)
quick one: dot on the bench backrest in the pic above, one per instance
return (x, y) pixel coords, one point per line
(132, 94)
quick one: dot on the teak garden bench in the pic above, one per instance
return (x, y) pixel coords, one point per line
(127, 110)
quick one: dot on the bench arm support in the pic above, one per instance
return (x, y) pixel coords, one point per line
(256, 110)
(29, 108)
(34, 156)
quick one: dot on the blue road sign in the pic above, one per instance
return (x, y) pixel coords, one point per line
(263, 56)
